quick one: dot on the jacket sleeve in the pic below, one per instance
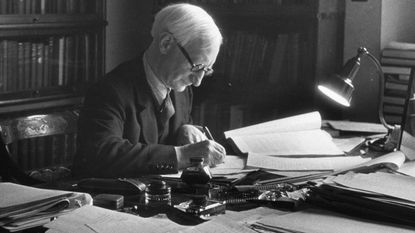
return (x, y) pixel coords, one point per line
(104, 151)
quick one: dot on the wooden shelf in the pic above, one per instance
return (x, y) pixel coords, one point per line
(53, 101)
(20, 25)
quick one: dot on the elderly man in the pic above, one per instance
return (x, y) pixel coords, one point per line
(136, 120)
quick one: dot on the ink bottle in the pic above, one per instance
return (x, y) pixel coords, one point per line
(157, 194)
(197, 173)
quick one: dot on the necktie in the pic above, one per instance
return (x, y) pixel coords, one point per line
(166, 111)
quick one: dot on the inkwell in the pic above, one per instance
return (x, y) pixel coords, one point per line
(157, 197)
(197, 176)
(197, 173)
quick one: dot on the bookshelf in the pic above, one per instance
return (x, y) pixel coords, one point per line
(273, 53)
(50, 52)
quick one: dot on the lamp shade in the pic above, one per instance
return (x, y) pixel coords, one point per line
(338, 89)
(339, 86)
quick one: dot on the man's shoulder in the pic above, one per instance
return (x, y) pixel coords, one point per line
(125, 75)
(130, 68)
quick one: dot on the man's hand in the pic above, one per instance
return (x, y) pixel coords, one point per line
(212, 152)
(189, 134)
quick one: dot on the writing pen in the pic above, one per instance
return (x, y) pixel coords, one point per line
(207, 133)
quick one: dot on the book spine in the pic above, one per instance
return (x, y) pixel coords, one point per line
(395, 53)
(60, 61)
(12, 65)
(27, 64)
(45, 67)
(397, 61)
(33, 80)
(3, 67)
(39, 64)
(20, 66)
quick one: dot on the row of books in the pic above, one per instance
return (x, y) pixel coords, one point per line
(397, 59)
(240, 2)
(41, 152)
(47, 62)
(250, 58)
(47, 6)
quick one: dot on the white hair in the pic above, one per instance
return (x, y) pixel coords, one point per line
(187, 22)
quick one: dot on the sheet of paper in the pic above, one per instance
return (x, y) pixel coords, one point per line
(408, 145)
(393, 160)
(353, 126)
(231, 165)
(303, 164)
(299, 143)
(380, 182)
(323, 221)
(305, 121)
(220, 224)
(95, 219)
(348, 144)
(408, 168)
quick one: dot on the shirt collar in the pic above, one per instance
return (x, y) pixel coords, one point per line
(158, 88)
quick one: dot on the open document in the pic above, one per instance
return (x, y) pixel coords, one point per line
(299, 135)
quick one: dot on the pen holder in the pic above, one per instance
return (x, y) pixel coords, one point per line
(197, 173)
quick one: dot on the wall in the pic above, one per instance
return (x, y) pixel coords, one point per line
(398, 21)
(362, 28)
(128, 30)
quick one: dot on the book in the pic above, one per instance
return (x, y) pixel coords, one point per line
(397, 61)
(397, 45)
(20, 203)
(396, 70)
(397, 53)
(396, 86)
(299, 135)
(393, 109)
(394, 100)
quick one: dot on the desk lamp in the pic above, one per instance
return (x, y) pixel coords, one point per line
(340, 88)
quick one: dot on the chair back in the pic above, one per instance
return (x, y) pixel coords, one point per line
(36, 142)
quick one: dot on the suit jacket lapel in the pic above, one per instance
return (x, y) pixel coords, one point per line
(144, 102)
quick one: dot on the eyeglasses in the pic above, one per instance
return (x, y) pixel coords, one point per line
(195, 67)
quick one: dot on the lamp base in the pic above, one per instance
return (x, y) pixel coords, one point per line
(389, 142)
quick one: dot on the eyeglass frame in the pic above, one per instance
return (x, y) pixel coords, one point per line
(195, 67)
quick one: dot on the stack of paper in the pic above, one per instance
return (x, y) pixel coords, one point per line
(380, 194)
(324, 221)
(23, 207)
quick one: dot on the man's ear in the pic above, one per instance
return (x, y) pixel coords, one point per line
(166, 42)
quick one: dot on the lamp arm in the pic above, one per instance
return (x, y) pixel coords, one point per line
(381, 91)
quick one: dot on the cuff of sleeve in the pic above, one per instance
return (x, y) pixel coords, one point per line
(179, 153)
